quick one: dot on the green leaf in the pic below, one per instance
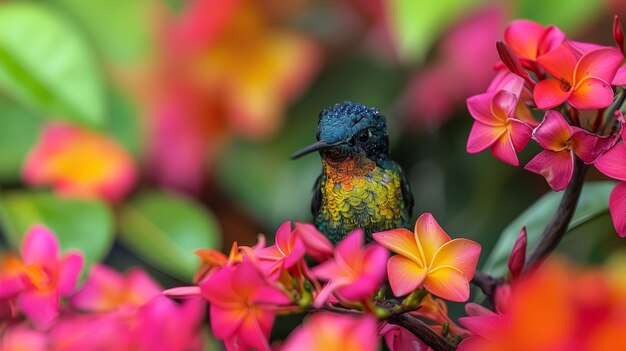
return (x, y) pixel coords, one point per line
(46, 65)
(165, 229)
(18, 132)
(418, 24)
(560, 14)
(119, 28)
(593, 202)
(86, 225)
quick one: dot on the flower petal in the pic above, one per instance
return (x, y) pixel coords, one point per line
(620, 76)
(225, 321)
(486, 326)
(268, 294)
(503, 104)
(556, 167)
(400, 241)
(553, 131)
(40, 246)
(483, 136)
(317, 245)
(560, 63)
(448, 283)
(461, 254)
(548, 93)
(429, 236)
(602, 63)
(371, 276)
(479, 107)
(349, 248)
(520, 133)
(507, 80)
(523, 37)
(617, 207)
(404, 275)
(504, 150)
(613, 162)
(40, 307)
(283, 234)
(70, 268)
(589, 146)
(591, 93)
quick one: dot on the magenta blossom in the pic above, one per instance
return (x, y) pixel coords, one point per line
(46, 276)
(243, 306)
(285, 254)
(355, 272)
(561, 142)
(495, 124)
(107, 290)
(613, 164)
(530, 40)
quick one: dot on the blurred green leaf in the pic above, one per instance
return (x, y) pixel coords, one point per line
(123, 122)
(418, 24)
(86, 225)
(18, 132)
(119, 28)
(45, 64)
(164, 230)
(593, 202)
(562, 13)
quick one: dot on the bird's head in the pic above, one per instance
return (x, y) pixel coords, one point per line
(349, 129)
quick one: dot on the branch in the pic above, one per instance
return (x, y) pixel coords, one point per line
(487, 284)
(422, 331)
(556, 229)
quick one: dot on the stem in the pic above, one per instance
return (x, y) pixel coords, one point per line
(422, 331)
(555, 231)
(487, 284)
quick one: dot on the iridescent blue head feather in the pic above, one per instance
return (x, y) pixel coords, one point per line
(349, 128)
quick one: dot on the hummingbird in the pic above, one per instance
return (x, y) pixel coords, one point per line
(360, 185)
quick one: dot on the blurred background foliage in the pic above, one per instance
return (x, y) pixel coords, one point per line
(211, 97)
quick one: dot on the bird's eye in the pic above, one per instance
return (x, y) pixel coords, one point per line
(364, 137)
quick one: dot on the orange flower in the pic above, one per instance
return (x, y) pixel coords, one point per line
(430, 258)
(80, 163)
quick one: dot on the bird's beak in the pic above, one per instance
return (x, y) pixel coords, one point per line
(320, 145)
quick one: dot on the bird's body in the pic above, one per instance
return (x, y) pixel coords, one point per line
(360, 186)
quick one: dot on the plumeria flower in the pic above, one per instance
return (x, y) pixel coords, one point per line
(45, 275)
(317, 245)
(286, 254)
(80, 163)
(484, 324)
(613, 164)
(355, 272)
(429, 258)
(495, 124)
(561, 142)
(243, 306)
(334, 332)
(399, 339)
(582, 81)
(107, 290)
(530, 40)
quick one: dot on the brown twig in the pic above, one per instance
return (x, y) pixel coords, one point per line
(422, 331)
(487, 284)
(555, 231)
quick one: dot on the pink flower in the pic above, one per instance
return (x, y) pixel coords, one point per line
(613, 164)
(400, 339)
(430, 258)
(561, 142)
(21, 337)
(165, 325)
(355, 272)
(583, 81)
(242, 306)
(484, 324)
(530, 40)
(518, 254)
(316, 244)
(80, 163)
(334, 332)
(495, 125)
(107, 290)
(45, 276)
(286, 254)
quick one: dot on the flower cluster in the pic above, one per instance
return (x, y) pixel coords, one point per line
(41, 309)
(247, 289)
(576, 88)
